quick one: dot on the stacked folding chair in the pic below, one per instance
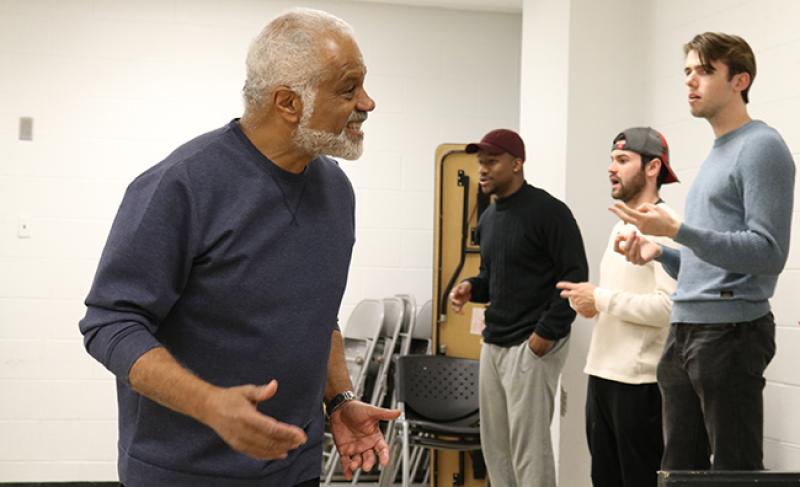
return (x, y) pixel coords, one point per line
(416, 338)
(360, 336)
(371, 380)
(377, 332)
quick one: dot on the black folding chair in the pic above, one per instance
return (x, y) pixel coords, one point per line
(438, 398)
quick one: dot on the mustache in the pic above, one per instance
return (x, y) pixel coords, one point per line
(357, 116)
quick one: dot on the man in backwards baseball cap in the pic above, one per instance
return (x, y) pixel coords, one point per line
(649, 144)
(529, 241)
(632, 305)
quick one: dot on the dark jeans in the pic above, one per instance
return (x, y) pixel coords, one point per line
(712, 378)
(623, 429)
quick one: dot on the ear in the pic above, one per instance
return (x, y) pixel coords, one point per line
(653, 167)
(516, 165)
(287, 104)
(741, 81)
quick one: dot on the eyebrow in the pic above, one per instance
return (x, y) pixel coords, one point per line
(706, 66)
(351, 71)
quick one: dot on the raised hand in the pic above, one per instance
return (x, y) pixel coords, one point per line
(460, 295)
(358, 438)
(580, 296)
(637, 249)
(233, 415)
(650, 219)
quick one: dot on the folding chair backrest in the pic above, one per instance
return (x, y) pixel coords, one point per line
(437, 387)
(365, 321)
(409, 311)
(424, 322)
(393, 316)
(360, 338)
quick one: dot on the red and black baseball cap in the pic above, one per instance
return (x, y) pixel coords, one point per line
(648, 141)
(499, 141)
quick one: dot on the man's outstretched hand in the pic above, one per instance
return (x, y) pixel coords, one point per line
(358, 438)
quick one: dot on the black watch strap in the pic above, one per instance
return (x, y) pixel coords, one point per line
(338, 400)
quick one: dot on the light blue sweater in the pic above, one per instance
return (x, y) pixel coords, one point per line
(735, 235)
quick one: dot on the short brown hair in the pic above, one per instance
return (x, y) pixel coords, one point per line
(731, 50)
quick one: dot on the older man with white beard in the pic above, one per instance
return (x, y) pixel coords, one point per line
(223, 275)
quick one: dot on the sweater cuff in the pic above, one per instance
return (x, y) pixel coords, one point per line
(602, 299)
(479, 292)
(128, 350)
(688, 235)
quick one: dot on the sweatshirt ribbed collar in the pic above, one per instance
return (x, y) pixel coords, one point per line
(508, 201)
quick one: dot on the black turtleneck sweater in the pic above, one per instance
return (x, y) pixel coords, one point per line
(529, 241)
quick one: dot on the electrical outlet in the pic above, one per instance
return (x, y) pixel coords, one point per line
(24, 227)
(25, 128)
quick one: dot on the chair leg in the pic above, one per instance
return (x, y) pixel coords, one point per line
(406, 480)
(331, 466)
(458, 477)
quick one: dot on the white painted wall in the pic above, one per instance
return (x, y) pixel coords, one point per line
(113, 87)
(544, 92)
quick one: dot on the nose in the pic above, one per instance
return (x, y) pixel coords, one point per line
(690, 80)
(365, 103)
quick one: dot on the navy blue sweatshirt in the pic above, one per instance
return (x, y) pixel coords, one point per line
(237, 268)
(529, 241)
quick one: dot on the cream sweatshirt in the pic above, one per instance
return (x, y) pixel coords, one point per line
(634, 304)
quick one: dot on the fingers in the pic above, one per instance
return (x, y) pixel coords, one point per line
(382, 414)
(634, 250)
(367, 460)
(344, 460)
(263, 437)
(647, 207)
(355, 462)
(383, 452)
(628, 215)
(621, 242)
(568, 289)
(459, 296)
(258, 394)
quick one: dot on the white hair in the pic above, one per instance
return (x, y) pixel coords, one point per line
(287, 53)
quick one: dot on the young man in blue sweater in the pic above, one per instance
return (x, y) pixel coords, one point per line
(223, 275)
(735, 243)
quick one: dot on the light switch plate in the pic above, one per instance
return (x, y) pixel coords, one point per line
(24, 227)
(25, 128)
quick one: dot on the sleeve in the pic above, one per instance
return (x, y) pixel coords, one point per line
(480, 283)
(142, 271)
(765, 174)
(649, 309)
(670, 259)
(565, 246)
(480, 286)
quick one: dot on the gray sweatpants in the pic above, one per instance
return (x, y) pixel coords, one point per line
(517, 393)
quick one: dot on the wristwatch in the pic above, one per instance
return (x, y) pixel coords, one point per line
(338, 400)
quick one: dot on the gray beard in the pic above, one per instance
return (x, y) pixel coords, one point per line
(317, 142)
